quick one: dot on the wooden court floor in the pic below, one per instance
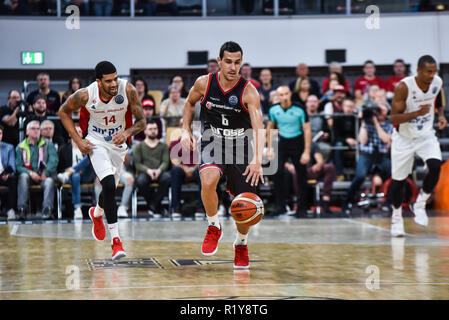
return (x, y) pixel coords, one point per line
(290, 259)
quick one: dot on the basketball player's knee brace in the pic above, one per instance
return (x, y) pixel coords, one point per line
(431, 179)
(397, 191)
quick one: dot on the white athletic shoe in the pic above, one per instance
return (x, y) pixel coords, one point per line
(122, 212)
(397, 227)
(419, 209)
(63, 177)
(78, 214)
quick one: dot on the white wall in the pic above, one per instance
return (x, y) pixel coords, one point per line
(266, 42)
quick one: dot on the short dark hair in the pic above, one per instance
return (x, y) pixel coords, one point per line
(145, 84)
(1, 128)
(212, 61)
(230, 46)
(38, 97)
(400, 61)
(368, 61)
(427, 59)
(104, 67)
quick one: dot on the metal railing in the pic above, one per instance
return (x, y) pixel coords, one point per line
(275, 8)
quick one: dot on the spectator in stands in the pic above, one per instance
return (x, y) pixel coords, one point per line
(48, 132)
(400, 72)
(149, 110)
(285, 7)
(36, 163)
(335, 73)
(142, 88)
(335, 105)
(212, 66)
(83, 6)
(40, 114)
(300, 96)
(246, 71)
(302, 71)
(9, 116)
(344, 135)
(152, 160)
(74, 169)
(266, 87)
(14, 8)
(52, 97)
(362, 83)
(127, 179)
(74, 84)
(7, 175)
(102, 8)
(375, 140)
(184, 169)
(294, 142)
(318, 126)
(169, 6)
(42, 7)
(174, 105)
(179, 82)
(317, 169)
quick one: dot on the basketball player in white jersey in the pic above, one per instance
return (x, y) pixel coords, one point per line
(107, 108)
(412, 114)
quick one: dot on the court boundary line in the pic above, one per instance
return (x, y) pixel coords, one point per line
(232, 285)
(375, 227)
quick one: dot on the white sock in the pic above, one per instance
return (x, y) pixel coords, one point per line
(241, 239)
(98, 211)
(113, 230)
(423, 196)
(397, 213)
(214, 221)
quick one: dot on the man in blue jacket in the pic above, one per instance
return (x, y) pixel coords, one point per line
(7, 174)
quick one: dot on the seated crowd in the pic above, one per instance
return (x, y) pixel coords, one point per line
(343, 120)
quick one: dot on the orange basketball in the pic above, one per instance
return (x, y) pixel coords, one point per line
(247, 208)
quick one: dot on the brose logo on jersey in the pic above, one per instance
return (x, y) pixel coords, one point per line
(228, 133)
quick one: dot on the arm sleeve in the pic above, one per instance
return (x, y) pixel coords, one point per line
(52, 162)
(165, 158)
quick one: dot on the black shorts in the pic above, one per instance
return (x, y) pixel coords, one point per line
(231, 164)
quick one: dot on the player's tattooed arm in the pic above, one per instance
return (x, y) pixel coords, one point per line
(398, 106)
(136, 108)
(72, 104)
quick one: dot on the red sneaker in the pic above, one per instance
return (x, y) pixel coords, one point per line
(98, 229)
(210, 243)
(241, 259)
(117, 249)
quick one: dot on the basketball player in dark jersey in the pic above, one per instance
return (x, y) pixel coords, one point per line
(230, 106)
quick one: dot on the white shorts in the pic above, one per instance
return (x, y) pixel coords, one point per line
(403, 151)
(107, 158)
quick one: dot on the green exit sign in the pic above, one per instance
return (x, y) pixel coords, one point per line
(32, 57)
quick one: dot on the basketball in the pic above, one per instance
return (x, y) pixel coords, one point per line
(247, 208)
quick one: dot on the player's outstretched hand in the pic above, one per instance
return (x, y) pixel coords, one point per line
(442, 122)
(254, 172)
(85, 146)
(119, 138)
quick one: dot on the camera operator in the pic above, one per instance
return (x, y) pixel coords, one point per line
(9, 115)
(375, 140)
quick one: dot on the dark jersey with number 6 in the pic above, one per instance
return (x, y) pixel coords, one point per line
(223, 112)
